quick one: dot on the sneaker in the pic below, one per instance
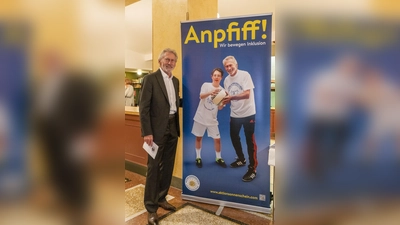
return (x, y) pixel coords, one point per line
(238, 163)
(221, 162)
(199, 163)
(250, 175)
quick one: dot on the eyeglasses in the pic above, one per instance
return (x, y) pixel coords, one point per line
(170, 60)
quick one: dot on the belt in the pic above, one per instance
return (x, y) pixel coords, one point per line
(171, 116)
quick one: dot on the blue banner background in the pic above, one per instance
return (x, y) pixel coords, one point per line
(350, 175)
(14, 45)
(199, 59)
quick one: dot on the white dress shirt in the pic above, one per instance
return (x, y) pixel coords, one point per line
(171, 92)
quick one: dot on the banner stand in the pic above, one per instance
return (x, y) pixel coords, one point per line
(245, 42)
(273, 194)
(271, 163)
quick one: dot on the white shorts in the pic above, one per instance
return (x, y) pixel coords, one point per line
(199, 129)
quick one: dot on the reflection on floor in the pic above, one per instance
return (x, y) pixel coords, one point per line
(188, 213)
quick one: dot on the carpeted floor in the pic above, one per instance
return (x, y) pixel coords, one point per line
(134, 201)
(189, 214)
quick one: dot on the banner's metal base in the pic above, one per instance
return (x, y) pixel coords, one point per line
(219, 211)
(223, 204)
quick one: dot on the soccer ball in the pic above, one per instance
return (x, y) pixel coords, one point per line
(217, 99)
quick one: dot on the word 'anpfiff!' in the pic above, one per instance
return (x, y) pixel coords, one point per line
(219, 35)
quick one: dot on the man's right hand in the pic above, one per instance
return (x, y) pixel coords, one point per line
(148, 139)
(226, 100)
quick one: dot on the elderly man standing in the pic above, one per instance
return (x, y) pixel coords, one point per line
(159, 117)
(239, 86)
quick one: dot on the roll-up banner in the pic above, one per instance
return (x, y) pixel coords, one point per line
(342, 124)
(225, 144)
(14, 46)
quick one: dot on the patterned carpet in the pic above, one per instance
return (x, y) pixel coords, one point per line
(189, 214)
(134, 201)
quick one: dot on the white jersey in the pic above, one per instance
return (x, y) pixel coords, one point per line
(236, 85)
(331, 95)
(207, 111)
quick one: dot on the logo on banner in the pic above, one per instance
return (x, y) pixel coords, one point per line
(192, 183)
(235, 31)
(235, 89)
(209, 105)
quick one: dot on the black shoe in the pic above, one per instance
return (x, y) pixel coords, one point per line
(199, 163)
(165, 205)
(238, 163)
(152, 219)
(221, 162)
(250, 175)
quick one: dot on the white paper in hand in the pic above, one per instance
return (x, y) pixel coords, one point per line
(151, 150)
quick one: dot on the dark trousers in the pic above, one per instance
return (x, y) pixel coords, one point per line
(325, 143)
(69, 177)
(249, 124)
(159, 170)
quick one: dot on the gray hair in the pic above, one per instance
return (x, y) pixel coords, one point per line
(162, 54)
(229, 58)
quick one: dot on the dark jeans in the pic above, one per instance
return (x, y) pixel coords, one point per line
(159, 170)
(325, 143)
(69, 177)
(249, 124)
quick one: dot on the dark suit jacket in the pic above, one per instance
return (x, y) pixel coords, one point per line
(154, 106)
(73, 112)
(74, 108)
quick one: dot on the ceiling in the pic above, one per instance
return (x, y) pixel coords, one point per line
(138, 20)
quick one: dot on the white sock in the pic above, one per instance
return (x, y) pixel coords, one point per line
(198, 151)
(218, 154)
